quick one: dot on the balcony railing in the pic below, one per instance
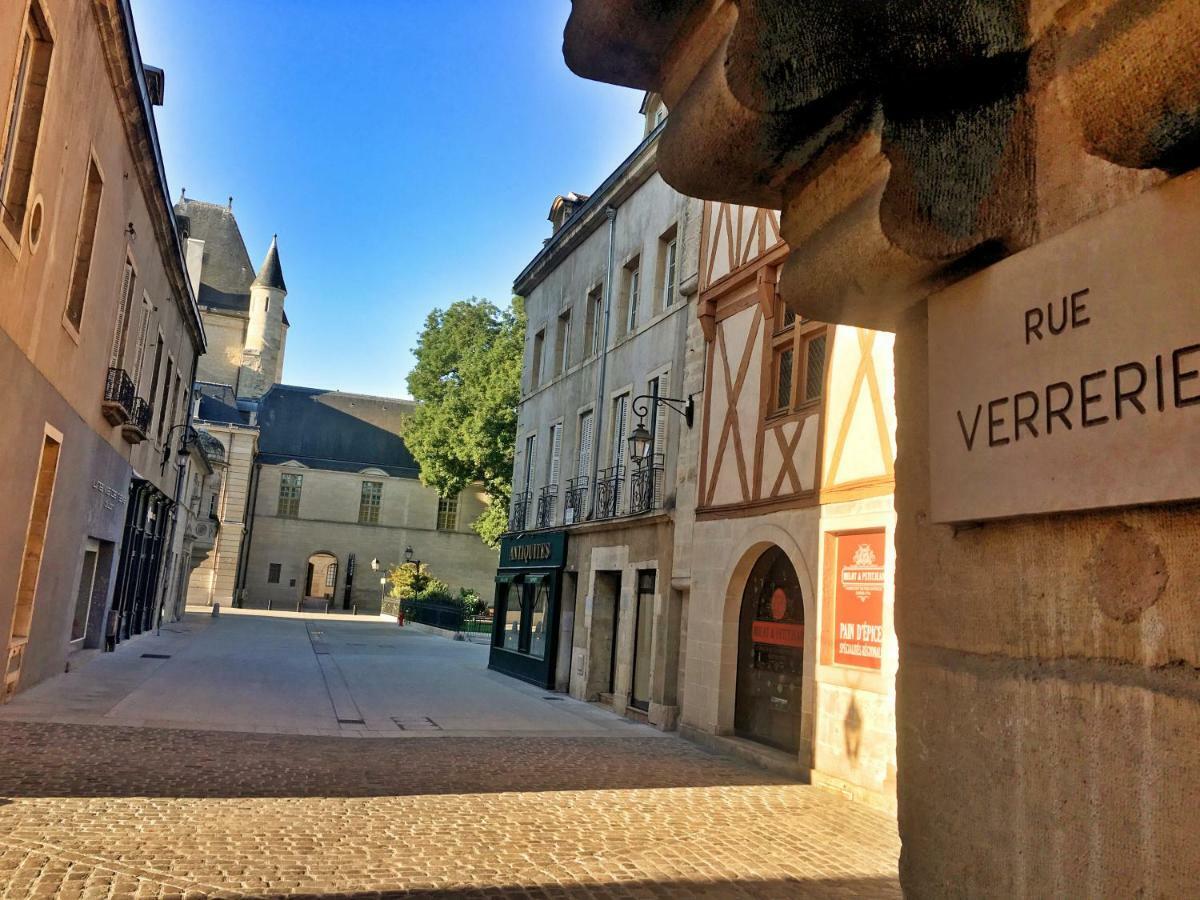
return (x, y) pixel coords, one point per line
(134, 430)
(608, 492)
(118, 397)
(519, 516)
(575, 501)
(547, 501)
(645, 486)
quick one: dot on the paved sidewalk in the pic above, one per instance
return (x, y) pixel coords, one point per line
(501, 793)
(284, 673)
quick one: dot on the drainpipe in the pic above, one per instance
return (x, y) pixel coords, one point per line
(598, 417)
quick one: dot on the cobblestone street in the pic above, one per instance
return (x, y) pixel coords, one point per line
(522, 798)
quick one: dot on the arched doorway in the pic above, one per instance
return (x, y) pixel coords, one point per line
(770, 664)
(321, 580)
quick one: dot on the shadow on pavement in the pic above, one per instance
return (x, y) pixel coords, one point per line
(842, 888)
(54, 760)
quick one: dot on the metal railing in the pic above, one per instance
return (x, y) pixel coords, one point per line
(118, 389)
(140, 414)
(645, 486)
(608, 492)
(547, 501)
(575, 500)
(519, 516)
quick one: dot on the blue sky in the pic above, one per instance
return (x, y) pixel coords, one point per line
(406, 151)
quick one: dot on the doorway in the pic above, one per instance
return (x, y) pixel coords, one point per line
(770, 666)
(321, 580)
(87, 586)
(643, 640)
(606, 620)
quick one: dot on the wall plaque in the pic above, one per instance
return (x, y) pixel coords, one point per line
(858, 599)
(1067, 377)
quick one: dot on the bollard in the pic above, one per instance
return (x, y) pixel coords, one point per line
(327, 605)
(356, 609)
(216, 610)
(269, 601)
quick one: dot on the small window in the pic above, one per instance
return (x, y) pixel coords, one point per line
(273, 572)
(814, 376)
(212, 506)
(85, 240)
(290, 485)
(535, 367)
(670, 251)
(783, 379)
(447, 517)
(594, 332)
(633, 292)
(562, 343)
(23, 123)
(369, 502)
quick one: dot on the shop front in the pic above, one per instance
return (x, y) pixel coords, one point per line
(528, 592)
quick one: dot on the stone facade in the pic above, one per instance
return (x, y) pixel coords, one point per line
(606, 301)
(99, 336)
(1070, 729)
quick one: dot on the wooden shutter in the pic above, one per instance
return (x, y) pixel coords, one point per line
(585, 445)
(530, 460)
(118, 344)
(140, 350)
(620, 408)
(660, 418)
(555, 452)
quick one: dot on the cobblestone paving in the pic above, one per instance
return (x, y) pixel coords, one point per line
(97, 812)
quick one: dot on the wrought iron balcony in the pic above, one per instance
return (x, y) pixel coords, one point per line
(547, 501)
(519, 516)
(137, 426)
(118, 397)
(645, 486)
(575, 501)
(608, 492)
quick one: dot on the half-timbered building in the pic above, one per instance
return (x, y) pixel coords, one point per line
(787, 647)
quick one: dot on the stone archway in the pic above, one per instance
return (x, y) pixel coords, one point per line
(769, 692)
(321, 575)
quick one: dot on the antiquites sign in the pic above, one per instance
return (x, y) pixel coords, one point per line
(1067, 377)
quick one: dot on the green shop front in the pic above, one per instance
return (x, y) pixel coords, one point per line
(528, 589)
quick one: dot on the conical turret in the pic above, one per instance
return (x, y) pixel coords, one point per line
(270, 274)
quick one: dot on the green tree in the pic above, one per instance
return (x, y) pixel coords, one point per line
(468, 379)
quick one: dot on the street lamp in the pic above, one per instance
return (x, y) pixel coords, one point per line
(640, 441)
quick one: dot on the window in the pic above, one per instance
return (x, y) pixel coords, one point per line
(368, 504)
(23, 122)
(121, 330)
(619, 420)
(535, 368)
(594, 334)
(633, 290)
(658, 387)
(447, 518)
(162, 410)
(539, 631)
(158, 352)
(331, 575)
(585, 445)
(797, 362)
(83, 596)
(290, 485)
(139, 346)
(555, 454)
(85, 240)
(530, 460)
(668, 246)
(562, 343)
(512, 616)
(274, 570)
(660, 114)
(212, 505)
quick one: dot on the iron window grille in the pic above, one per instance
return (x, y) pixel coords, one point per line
(575, 500)
(645, 486)
(547, 501)
(520, 512)
(608, 492)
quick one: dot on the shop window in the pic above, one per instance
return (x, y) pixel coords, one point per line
(513, 608)
(274, 570)
(447, 516)
(85, 241)
(23, 122)
(290, 485)
(369, 502)
(539, 622)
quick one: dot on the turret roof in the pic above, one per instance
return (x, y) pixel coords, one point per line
(271, 273)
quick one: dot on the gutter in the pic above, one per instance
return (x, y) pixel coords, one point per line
(139, 74)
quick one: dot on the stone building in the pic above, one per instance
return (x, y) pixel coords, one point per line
(361, 499)
(334, 488)
(99, 337)
(783, 531)
(606, 300)
(1011, 189)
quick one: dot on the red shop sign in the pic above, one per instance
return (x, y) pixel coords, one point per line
(858, 600)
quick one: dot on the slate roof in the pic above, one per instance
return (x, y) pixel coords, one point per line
(219, 404)
(271, 273)
(227, 274)
(334, 431)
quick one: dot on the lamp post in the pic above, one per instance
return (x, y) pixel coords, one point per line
(641, 442)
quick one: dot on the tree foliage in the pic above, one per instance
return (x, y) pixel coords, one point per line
(468, 379)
